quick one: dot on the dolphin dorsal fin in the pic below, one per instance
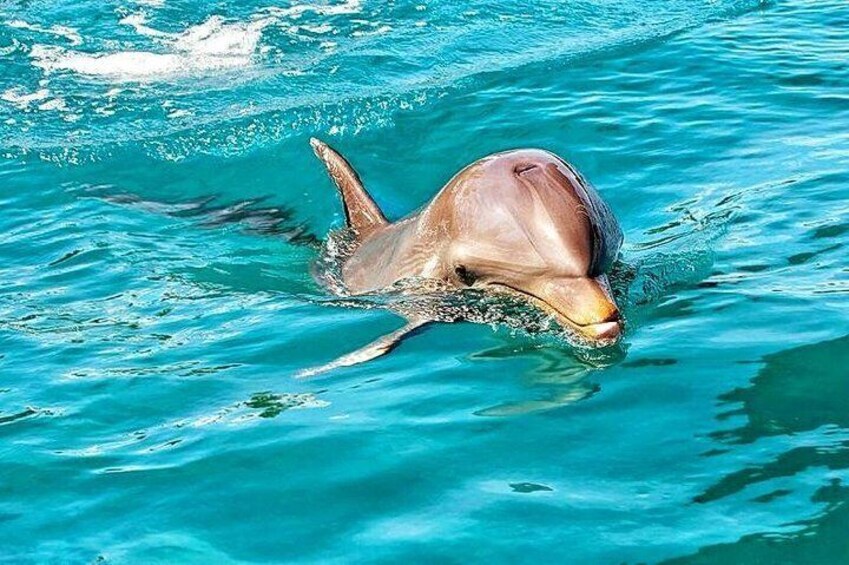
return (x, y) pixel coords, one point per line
(361, 212)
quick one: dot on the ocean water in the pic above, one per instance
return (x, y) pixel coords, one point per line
(161, 219)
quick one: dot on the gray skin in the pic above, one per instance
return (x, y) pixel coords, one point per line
(523, 222)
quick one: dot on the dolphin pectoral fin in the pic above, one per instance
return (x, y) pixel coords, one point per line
(361, 212)
(375, 349)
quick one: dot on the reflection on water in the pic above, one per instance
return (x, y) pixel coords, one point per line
(821, 539)
(562, 378)
(799, 394)
(814, 376)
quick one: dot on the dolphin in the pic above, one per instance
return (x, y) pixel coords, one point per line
(524, 222)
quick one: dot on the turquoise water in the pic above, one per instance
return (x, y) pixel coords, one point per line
(161, 212)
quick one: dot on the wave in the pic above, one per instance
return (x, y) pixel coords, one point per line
(211, 46)
(315, 63)
(214, 45)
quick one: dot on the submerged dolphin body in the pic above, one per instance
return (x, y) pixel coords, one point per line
(523, 222)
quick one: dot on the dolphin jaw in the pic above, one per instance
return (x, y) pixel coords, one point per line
(601, 333)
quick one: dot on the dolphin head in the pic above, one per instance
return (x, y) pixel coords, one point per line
(527, 223)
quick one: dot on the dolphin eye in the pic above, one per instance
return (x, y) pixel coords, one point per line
(466, 276)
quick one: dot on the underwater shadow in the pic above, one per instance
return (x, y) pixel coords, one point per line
(209, 212)
(249, 216)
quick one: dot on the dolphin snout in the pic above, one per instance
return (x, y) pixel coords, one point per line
(583, 304)
(609, 327)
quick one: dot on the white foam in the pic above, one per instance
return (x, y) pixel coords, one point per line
(53, 104)
(139, 23)
(128, 64)
(297, 10)
(317, 29)
(379, 31)
(21, 100)
(212, 45)
(41, 100)
(216, 38)
(68, 33)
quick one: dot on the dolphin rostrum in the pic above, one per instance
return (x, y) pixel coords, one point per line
(523, 222)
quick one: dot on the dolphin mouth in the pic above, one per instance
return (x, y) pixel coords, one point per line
(602, 333)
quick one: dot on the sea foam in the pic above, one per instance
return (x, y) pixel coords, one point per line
(215, 44)
(212, 45)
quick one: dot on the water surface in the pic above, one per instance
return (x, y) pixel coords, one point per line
(161, 210)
